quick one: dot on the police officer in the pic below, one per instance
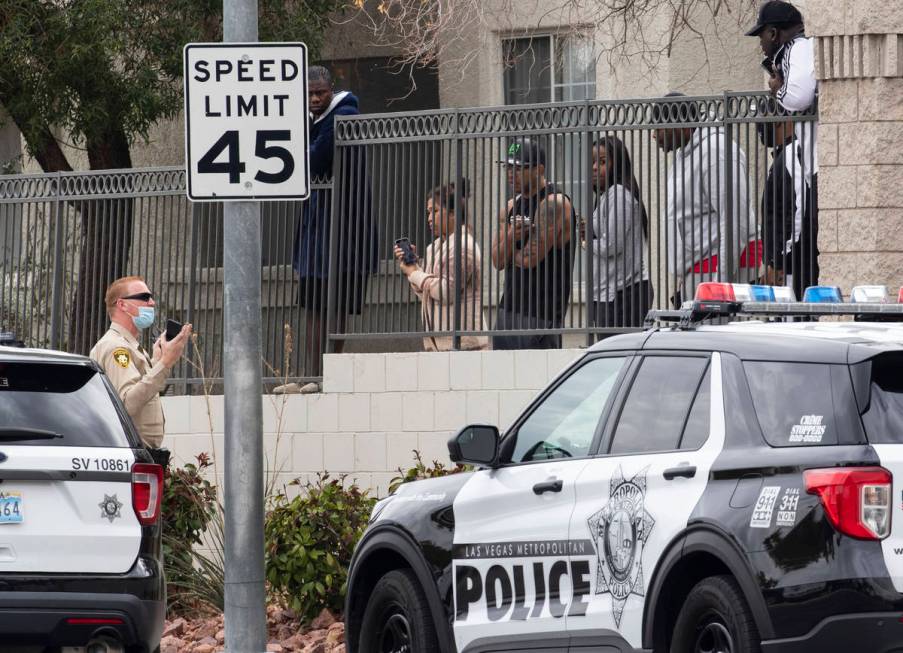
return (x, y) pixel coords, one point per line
(137, 377)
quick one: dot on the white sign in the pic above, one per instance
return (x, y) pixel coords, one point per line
(246, 121)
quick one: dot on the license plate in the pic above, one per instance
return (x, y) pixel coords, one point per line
(11, 508)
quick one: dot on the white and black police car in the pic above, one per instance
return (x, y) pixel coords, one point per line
(728, 488)
(80, 553)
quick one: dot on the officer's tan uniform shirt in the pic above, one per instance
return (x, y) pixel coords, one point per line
(137, 380)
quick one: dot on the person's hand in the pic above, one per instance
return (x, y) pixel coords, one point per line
(170, 351)
(518, 230)
(775, 82)
(406, 268)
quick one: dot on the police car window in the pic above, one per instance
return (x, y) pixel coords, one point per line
(883, 418)
(69, 400)
(696, 432)
(564, 424)
(794, 402)
(656, 409)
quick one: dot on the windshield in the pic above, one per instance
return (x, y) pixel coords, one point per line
(883, 417)
(57, 405)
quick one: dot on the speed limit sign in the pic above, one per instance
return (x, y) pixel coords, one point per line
(246, 121)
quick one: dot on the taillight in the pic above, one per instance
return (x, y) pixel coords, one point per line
(147, 491)
(857, 500)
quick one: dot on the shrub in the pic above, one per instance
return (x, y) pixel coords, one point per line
(189, 505)
(309, 542)
(420, 471)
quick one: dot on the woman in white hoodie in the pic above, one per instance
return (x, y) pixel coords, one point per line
(622, 293)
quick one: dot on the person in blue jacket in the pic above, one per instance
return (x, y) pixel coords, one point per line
(355, 254)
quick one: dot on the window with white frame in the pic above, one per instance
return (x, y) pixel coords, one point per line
(555, 68)
(549, 68)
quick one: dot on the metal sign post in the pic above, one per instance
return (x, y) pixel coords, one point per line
(245, 141)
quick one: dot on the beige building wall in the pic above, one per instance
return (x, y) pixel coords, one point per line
(860, 67)
(715, 58)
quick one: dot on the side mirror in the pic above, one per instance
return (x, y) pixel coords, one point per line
(477, 444)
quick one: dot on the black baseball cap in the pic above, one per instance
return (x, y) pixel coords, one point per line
(525, 152)
(776, 12)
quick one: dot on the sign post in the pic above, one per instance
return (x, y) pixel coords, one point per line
(245, 141)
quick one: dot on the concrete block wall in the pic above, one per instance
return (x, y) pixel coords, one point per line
(375, 409)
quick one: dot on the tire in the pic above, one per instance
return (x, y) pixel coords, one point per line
(397, 619)
(715, 619)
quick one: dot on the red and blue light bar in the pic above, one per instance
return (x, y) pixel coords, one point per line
(726, 299)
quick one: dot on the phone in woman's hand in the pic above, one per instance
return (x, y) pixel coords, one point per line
(409, 256)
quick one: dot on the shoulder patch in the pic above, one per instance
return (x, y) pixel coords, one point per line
(122, 357)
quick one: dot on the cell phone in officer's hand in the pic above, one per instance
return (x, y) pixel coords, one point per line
(409, 256)
(768, 65)
(173, 329)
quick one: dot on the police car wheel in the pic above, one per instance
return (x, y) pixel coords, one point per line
(396, 619)
(715, 619)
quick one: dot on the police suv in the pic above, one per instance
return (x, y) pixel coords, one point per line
(728, 488)
(80, 560)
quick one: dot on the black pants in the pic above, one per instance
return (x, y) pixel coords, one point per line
(508, 320)
(628, 309)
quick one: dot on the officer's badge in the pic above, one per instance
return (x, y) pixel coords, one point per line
(110, 507)
(122, 358)
(619, 531)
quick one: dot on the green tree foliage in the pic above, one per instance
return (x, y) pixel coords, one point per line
(104, 71)
(100, 74)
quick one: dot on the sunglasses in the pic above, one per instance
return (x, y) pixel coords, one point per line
(141, 296)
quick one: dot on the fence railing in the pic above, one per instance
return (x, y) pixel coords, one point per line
(643, 199)
(665, 193)
(65, 236)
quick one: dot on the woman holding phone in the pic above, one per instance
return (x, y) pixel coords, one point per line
(622, 294)
(437, 283)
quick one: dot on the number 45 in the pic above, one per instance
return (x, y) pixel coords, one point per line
(234, 166)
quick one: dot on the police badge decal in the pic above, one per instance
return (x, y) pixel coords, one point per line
(618, 533)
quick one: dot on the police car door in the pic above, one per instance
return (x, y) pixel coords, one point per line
(634, 498)
(514, 584)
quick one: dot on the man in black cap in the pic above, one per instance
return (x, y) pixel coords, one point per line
(535, 246)
(790, 60)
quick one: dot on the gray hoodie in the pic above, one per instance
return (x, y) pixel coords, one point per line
(697, 205)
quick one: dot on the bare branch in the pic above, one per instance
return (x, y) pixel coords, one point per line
(425, 32)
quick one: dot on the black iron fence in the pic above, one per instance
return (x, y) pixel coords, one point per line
(64, 237)
(633, 204)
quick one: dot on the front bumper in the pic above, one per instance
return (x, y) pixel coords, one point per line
(54, 610)
(875, 632)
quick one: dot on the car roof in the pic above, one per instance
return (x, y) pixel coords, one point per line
(29, 355)
(824, 342)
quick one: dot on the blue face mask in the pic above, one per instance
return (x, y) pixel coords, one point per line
(145, 317)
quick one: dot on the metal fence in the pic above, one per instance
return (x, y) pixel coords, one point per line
(688, 191)
(65, 236)
(645, 198)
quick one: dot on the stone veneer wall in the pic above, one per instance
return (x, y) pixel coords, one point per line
(859, 63)
(373, 411)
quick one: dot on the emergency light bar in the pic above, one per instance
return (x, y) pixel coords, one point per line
(729, 299)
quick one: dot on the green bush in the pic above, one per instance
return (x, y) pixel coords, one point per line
(420, 471)
(309, 542)
(189, 505)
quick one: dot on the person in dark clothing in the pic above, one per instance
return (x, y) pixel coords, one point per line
(789, 236)
(535, 246)
(356, 256)
(790, 62)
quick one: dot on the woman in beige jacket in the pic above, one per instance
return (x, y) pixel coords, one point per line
(435, 283)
